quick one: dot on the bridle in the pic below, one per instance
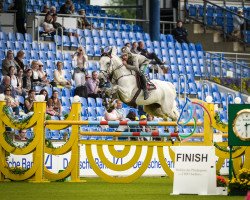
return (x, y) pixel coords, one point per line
(109, 73)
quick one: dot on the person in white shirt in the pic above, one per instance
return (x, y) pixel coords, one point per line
(59, 76)
(80, 60)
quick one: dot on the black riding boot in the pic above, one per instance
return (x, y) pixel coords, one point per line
(144, 85)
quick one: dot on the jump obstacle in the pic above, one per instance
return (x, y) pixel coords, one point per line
(39, 173)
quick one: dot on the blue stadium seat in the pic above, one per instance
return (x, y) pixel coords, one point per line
(66, 41)
(97, 50)
(73, 41)
(3, 36)
(10, 45)
(51, 56)
(2, 45)
(12, 37)
(28, 37)
(110, 34)
(169, 38)
(92, 112)
(91, 102)
(104, 42)
(19, 37)
(52, 47)
(89, 50)
(67, 56)
(34, 55)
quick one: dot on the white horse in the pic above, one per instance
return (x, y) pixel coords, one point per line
(161, 101)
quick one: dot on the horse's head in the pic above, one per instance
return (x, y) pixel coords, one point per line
(108, 63)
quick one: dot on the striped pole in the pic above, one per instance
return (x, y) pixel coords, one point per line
(117, 123)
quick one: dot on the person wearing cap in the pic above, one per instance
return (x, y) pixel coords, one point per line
(19, 60)
(134, 48)
(180, 33)
(7, 62)
(237, 23)
(131, 62)
(59, 76)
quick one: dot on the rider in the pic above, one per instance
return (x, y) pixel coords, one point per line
(131, 62)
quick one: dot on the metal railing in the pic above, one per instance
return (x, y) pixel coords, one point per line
(217, 60)
(132, 22)
(225, 11)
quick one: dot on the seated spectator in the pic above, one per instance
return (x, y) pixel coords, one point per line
(152, 128)
(20, 79)
(7, 84)
(19, 60)
(36, 80)
(14, 82)
(42, 74)
(132, 117)
(92, 85)
(48, 26)
(151, 56)
(83, 23)
(59, 76)
(52, 10)
(237, 23)
(128, 45)
(54, 106)
(67, 8)
(134, 48)
(117, 112)
(180, 33)
(21, 135)
(29, 101)
(45, 93)
(27, 80)
(45, 9)
(80, 60)
(7, 62)
(13, 103)
(57, 25)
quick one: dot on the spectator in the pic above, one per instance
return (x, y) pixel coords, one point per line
(132, 117)
(7, 62)
(19, 60)
(29, 101)
(117, 113)
(20, 7)
(14, 82)
(80, 62)
(180, 33)
(42, 74)
(237, 23)
(20, 80)
(27, 80)
(13, 103)
(6, 84)
(144, 52)
(48, 26)
(92, 85)
(152, 128)
(54, 105)
(82, 22)
(45, 9)
(45, 93)
(57, 25)
(128, 45)
(67, 8)
(59, 76)
(52, 10)
(21, 135)
(36, 80)
(134, 48)
(143, 128)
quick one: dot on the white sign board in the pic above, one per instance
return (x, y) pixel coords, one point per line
(195, 170)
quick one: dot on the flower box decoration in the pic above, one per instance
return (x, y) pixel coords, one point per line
(221, 186)
(240, 185)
